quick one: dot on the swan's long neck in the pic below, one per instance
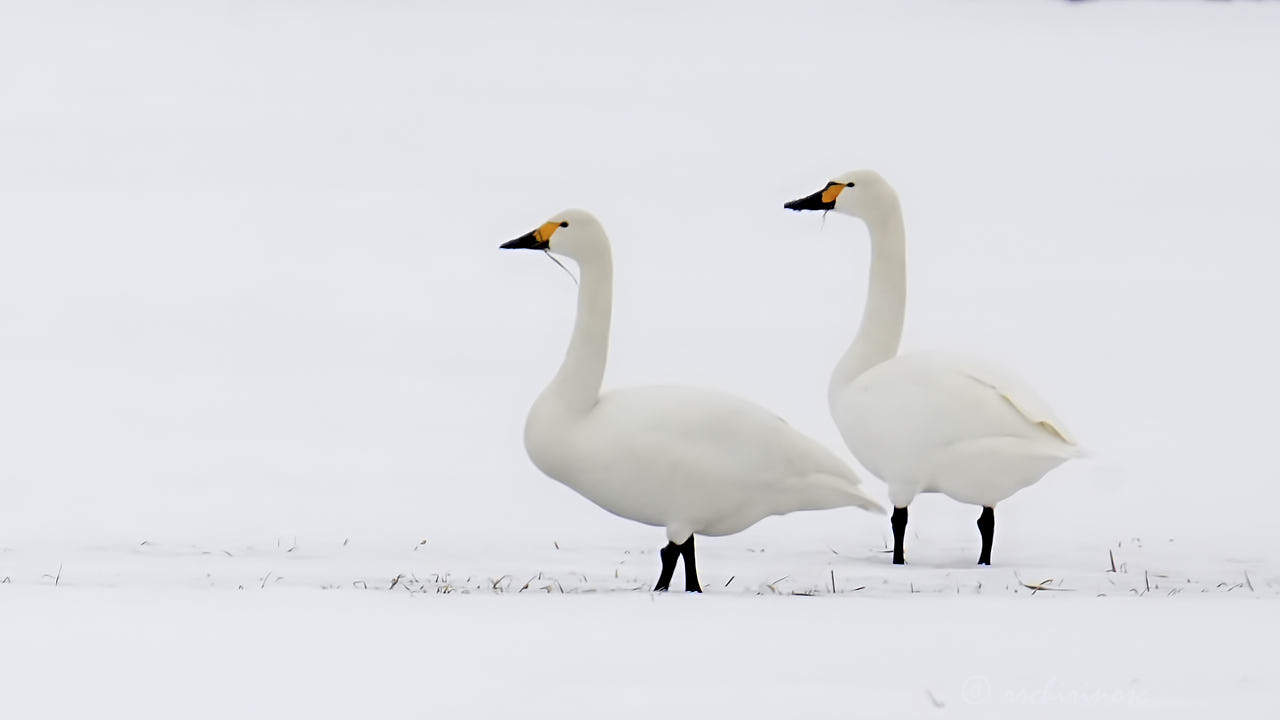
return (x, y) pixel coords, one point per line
(881, 329)
(576, 387)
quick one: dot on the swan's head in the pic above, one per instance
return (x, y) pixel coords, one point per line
(860, 193)
(575, 234)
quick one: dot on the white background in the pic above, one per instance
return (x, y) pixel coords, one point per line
(250, 281)
(250, 287)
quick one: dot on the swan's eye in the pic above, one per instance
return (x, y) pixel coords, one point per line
(848, 184)
(564, 223)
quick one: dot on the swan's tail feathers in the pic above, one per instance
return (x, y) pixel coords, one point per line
(1055, 447)
(1074, 451)
(854, 495)
(821, 491)
(860, 499)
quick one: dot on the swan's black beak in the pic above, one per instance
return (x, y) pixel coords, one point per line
(824, 199)
(526, 242)
(539, 239)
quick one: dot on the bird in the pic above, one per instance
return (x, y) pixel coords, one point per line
(928, 421)
(691, 460)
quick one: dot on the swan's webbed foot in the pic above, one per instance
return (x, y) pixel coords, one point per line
(669, 555)
(986, 526)
(899, 524)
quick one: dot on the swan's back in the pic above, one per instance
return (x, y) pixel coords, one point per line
(669, 455)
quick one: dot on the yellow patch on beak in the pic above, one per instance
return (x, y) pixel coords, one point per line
(832, 192)
(545, 231)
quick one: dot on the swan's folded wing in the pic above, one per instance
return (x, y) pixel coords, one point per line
(1016, 392)
(719, 433)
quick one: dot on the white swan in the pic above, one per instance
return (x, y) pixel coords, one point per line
(928, 422)
(690, 460)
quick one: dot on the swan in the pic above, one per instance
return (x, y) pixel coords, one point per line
(928, 421)
(687, 459)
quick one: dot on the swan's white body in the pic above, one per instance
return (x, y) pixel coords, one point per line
(930, 422)
(689, 460)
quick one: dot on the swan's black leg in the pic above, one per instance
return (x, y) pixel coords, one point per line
(899, 523)
(690, 567)
(986, 526)
(668, 555)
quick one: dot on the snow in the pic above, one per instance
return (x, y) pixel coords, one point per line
(251, 300)
(491, 656)
(331, 630)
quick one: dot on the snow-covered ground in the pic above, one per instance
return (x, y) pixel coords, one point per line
(419, 630)
(255, 333)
